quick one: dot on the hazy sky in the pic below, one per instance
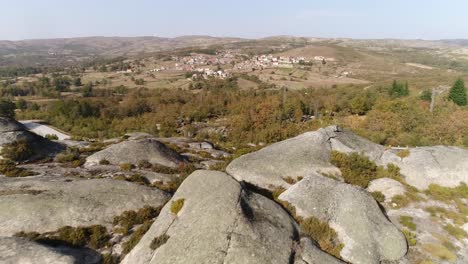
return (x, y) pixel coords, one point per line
(427, 19)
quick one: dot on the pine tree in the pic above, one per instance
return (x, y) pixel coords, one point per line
(398, 89)
(458, 93)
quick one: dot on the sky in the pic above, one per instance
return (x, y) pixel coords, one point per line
(408, 19)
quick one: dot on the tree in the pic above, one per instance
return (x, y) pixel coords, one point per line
(7, 108)
(457, 93)
(426, 95)
(399, 90)
(21, 104)
(77, 82)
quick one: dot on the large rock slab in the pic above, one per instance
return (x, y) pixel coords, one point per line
(44, 204)
(134, 151)
(12, 131)
(20, 251)
(300, 156)
(442, 165)
(367, 235)
(220, 222)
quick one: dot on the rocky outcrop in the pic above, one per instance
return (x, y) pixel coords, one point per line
(445, 166)
(13, 131)
(134, 151)
(221, 222)
(17, 250)
(367, 235)
(388, 187)
(310, 153)
(298, 157)
(43, 204)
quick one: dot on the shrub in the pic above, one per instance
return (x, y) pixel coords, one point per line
(446, 193)
(95, 236)
(144, 164)
(277, 192)
(321, 232)
(408, 222)
(457, 93)
(164, 169)
(108, 258)
(17, 151)
(7, 108)
(159, 241)
(9, 169)
(456, 231)
(358, 170)
(410, 237)
(403, 153)
(355, 169)
(51, 137)
(70, 155)
(440, 252)
(137, 178)
(184, 170)
(127, 166)
(104, 162)
(400, 201)
(378, 196)
(291, 180)
(128, 219)
(177, 205)
(136, 237)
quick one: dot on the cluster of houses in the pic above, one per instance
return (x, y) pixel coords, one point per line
(190, 62)
(207, 72)
(158, 69)
(270, 61)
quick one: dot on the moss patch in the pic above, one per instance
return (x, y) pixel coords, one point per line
(177, 205)
(159, 241)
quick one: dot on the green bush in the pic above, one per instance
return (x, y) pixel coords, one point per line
(456, 232)
(70, 155)
(127, 166)
(378, 196)
(164, 169)
(7, 108)
(410, 237)
(17, 151)
(51, 137)
(400, 201)
(128, 219)
(144, 164)
(177, 205)
(446, 193)
(9, 169)
(104, 162)
(408, 222)
(136, 237)
(325, 236)
(159, 241)
(358, 170)
(95, 236)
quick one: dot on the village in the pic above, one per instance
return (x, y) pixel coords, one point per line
(224, 64)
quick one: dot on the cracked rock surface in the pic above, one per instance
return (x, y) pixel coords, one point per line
(43, 204)
(442, 165)
(221, 222)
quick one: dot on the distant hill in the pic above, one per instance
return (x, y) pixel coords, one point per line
(69, 50)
